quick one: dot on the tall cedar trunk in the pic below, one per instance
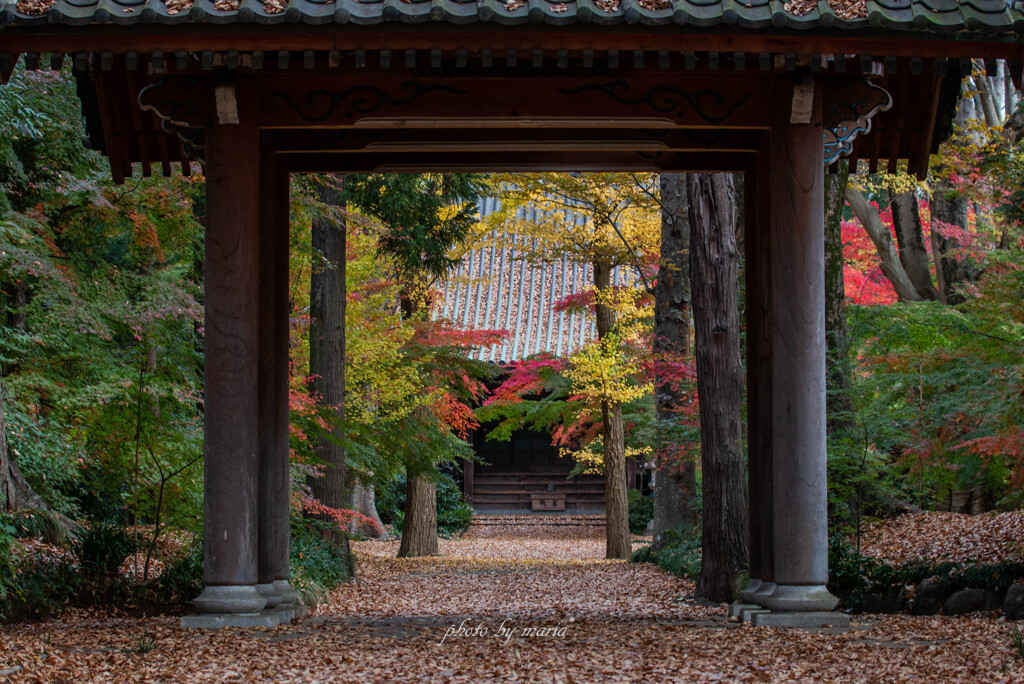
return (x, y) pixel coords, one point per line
(617, 541)
(949, 208)
(906, 220)
(327, 344)
(419, 533)
(714, 269)
(362, 500)
(674, 482)
(837, 334)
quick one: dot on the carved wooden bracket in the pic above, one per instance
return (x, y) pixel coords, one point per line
(846, 121)
(180, 104)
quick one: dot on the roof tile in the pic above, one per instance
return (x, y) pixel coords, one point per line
(939, 16)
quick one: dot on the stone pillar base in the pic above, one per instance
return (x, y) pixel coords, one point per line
(747, 592)
(230, 599)
(219, 620)
(797, 598)
(284, 589)
(270, 593)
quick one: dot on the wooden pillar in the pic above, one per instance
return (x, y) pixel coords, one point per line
(757, 248)
(797, 258)
(231, 398)
(274, 533)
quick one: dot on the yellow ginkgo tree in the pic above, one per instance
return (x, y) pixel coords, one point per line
(606, 221)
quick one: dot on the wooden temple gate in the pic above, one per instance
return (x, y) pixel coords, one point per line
(256, 91)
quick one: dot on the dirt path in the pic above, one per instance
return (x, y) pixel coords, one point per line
(552, 611)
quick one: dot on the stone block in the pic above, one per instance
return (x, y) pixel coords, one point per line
(1013, 604)
(737, 608)
(283, 614)
(219, 620)
(926, 598)
(964, 601)
(810, 620)
(747, 614)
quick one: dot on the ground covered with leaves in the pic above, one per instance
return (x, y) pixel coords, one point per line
(498, 605)
(938, 537)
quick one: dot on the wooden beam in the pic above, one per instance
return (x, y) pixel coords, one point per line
(518, 161)
(499, 140)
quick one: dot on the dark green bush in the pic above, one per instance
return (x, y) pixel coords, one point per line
(181, 581)
(319, 562)
(101, 548)
(38, 525)
(42, 587)
(7, 533)
(641, 511)
(453, 513)
(855, 579)
(680, 553)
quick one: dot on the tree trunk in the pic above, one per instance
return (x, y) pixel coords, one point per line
(714, 269)
(617, 539)
(362, 500)
(949, 210)
(892, 267)
(419, 533)
(327, 345)
(837, 334)
(906, 219)
(16, 315)
(674, 482)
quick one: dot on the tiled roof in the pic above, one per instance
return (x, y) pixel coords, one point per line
(493, 288)
(940, 16)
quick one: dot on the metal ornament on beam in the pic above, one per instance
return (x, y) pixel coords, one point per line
(855, 121)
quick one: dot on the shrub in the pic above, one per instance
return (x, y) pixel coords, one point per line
(319, 563)
(641, 511)
(680, 553)
(453, 513)
(38, 524)
(101, 548)
(7, 532)
(41, 587)
(181, 581)
(857, 579)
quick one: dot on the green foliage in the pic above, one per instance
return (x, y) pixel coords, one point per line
(453, 513)
(938, 393)
(40, 587)
(319, 564)
(181, 581)
(680, 553)
(641, 511)
(423, 215)
(1017, 639)
(8, 532)
(37, 524)
(101, 352)
(858, 579)
(102, 548)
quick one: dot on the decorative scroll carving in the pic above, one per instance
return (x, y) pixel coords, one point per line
(854, 120)
(710, 105)
(176, 99)
(320, 105)
(179, 105)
